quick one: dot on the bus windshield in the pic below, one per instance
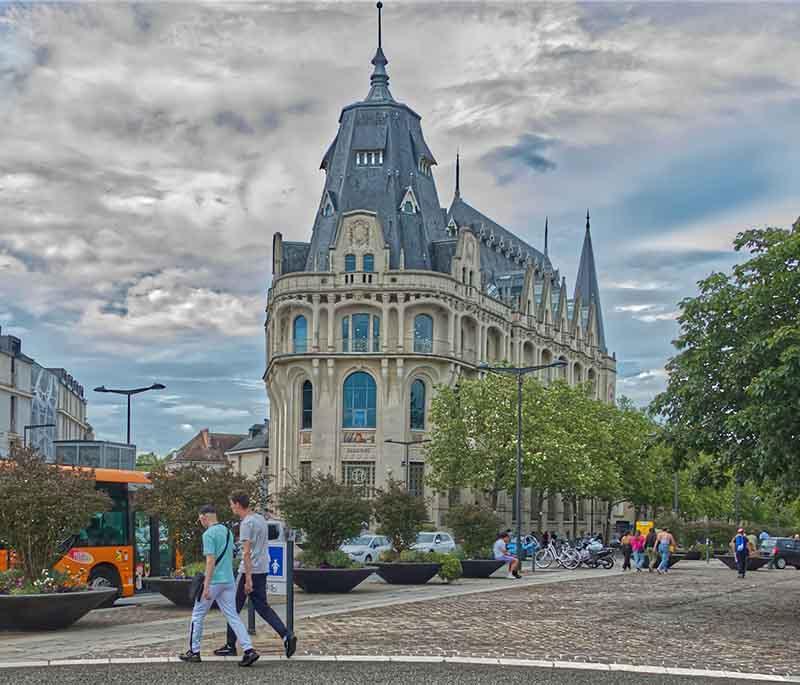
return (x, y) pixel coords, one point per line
(108, 528)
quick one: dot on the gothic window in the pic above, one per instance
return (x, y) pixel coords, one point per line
(369, 158)
(417, 408)
(327, 207)
(376, 334)
(300, 334)
(369, 263)
(349, 263)
(409, 205)
(423, 333)
(308, 406)
(360, 401)
(346, 334)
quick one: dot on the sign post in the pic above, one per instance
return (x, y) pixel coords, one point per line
(290, 580)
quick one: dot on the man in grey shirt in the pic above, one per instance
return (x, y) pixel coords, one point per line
(252, 580)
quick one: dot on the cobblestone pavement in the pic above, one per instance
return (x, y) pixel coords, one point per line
(697, 616)
(302, 673)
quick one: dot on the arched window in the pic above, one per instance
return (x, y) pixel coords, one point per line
(423, 333)
(300, 334)
(356, 333)
(306, 420)
(349, 263)
(417, 414)
(369, 263)
(360, 401)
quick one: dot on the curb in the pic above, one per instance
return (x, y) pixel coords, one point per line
(517, 663)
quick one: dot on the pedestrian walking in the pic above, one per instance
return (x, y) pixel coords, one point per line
(501, 554)
(625, 545)
(218, 587)
(665, 544)
(252, 577)
(650, 545)
(637, 549)
(741, 548)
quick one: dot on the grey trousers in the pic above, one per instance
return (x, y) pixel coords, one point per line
(224, 594)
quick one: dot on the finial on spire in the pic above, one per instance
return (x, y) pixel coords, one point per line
(587, 220)
(379, 81)
(380, 7)
(458, 173)
(545, 236)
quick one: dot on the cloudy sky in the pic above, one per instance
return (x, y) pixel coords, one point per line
(149, 151)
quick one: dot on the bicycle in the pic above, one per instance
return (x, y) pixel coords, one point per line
(564, 556)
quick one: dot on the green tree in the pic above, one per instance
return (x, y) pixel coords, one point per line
(475, 527)
(328, 513)
(733, 389)
(399, 515)
(147, 461)
(178, 493)
(42, 505)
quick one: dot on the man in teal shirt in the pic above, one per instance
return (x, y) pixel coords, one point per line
(218, 586)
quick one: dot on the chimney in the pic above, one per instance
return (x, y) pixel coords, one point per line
(206, 439)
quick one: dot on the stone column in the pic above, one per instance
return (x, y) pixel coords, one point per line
(315, 324)
(401, 334)
(331, 325)
(453, 325)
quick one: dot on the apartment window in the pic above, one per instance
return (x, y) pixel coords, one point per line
(300, 334)
(369, 263)
(423, 333)
(308, 406)
(13, 419)
(417, 408)
(349, 263)
(360, 401)
(360, 475)
(416, 478)
(305, 471)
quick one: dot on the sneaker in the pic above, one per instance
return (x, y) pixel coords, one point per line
(249, 657)
(517, 575)
(227, 650)
(190, 657)
(511, 576)
(290, 645)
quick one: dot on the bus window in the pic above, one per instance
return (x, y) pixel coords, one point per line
(108, 528)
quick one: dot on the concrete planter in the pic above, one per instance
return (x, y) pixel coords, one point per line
(176, 590)
(330, 580)
(51, 611)
(479, 568)
(407, 573)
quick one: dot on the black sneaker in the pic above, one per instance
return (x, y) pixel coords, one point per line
(249, 657)
(190, 657)
(290, 645)
(227, 650)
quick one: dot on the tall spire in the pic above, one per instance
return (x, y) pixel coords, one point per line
(458, 174)
(545, 237)
(586, 284)
(379, 81)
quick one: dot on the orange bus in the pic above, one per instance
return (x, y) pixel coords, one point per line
(118, 544)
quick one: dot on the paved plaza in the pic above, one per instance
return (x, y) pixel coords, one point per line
(698, 617)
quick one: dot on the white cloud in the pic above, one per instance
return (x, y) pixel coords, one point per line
(187, 427)
(201, 412)
(636, 308)
(652, 318)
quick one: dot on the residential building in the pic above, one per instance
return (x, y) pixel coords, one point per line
(205, 449)
(251, 455)
(15, 393)
(395, 295)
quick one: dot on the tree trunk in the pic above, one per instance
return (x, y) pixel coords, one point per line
(574, 518)
(607, 535)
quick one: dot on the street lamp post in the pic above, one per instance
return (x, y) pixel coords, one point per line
(407, 444)
(128, 393)
(520, 373)
(31, 427)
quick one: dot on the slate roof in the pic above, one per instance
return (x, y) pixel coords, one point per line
(257, 439)
(586, 285)
(206, 447)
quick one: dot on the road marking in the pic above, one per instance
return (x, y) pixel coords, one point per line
(520, 663)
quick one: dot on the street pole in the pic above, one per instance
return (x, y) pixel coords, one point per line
(128, 393)
(128, 440)
(519, 473)
(408, 469)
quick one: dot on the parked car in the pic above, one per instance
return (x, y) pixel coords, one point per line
(785, 550)
(366, 548)
(437, 541)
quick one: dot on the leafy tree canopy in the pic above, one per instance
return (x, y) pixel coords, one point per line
(734, 386)
(399, 514)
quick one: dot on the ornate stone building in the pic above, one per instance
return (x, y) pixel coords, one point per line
(395, 295)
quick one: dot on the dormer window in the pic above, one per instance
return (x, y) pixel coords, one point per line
(409, 205)
(327, 209)
(369, 158)
(424, 166)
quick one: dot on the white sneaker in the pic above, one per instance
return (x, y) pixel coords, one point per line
(511, 576)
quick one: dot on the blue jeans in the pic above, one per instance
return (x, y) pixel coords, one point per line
(638, 559)
(663, 550)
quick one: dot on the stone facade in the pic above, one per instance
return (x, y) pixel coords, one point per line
(395, 296)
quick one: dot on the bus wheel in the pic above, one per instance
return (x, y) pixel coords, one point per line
(106, 577)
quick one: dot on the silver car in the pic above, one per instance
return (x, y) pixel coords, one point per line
(366, 548)
(438, 541)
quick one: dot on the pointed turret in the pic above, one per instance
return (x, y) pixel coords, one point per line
(586, 285)
(379, 81)
(545, 237)
(458, 176)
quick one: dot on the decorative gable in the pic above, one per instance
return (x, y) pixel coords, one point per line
(409, 204)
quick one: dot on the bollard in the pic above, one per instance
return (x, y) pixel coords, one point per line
(290, 580)
(251, 616)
